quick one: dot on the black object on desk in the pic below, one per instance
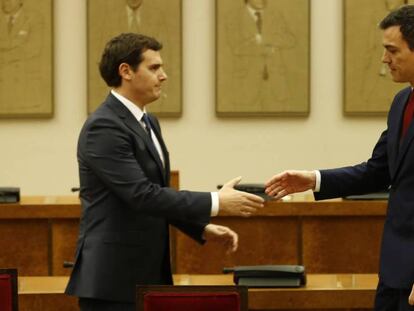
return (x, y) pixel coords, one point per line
(269, 275)
(9, 194)
(369, 196)
(257, 189)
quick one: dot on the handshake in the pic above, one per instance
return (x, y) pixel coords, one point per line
(233, 202)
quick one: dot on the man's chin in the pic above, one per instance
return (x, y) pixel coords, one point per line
(156, 97)
(396, 79)
(399, 80)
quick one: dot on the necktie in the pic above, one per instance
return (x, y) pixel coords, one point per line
(259, 22)
(147, 124)
(148, 129)
(408, 115)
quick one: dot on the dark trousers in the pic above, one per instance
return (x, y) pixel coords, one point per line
(392, 299)
(89, 304)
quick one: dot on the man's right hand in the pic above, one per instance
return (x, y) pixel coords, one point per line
(411, 297)
(237, 203)
(289, 182)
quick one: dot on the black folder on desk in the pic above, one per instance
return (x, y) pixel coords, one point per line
(257, 189)
(269, 275)
(9, 194)
(369, 196)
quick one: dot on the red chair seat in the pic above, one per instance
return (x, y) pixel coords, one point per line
(191, 298)
(192, 301)
(6, 294)
(8, 290)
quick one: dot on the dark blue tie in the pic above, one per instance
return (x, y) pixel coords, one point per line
(146, 121)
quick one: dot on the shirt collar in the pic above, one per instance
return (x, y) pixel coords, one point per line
(134, 109)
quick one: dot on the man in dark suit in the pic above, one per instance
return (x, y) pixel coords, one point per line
(391, 166)
(124, 177)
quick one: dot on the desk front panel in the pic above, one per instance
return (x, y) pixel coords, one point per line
(345, 244)
(262, 241)
(325, 237)
(24, 244)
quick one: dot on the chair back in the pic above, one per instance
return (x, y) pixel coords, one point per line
(8, 290)
(191, 298)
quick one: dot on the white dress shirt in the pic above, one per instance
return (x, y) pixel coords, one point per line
(318, 181)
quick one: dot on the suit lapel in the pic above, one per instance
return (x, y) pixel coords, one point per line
(405, 143)
(399, 148)
(133, 124)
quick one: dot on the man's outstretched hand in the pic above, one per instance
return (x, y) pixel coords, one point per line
(237, 203)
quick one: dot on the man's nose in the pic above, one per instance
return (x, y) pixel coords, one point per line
(385, 58)
(163, 76)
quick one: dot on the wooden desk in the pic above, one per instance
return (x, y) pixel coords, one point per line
(333, 236)
(323, 292)
(40, 232)
(45, 294)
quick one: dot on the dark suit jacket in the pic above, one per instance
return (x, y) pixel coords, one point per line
(391, 165)
(126, 207)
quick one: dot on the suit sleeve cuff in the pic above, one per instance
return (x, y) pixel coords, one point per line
(214, 204)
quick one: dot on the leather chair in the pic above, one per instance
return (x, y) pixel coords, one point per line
(8, 290)
(194, 298)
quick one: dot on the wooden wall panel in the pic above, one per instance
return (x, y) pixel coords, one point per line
(24, 245)
(47, 302)
(262, 240)
(342, 244)
(64, 237)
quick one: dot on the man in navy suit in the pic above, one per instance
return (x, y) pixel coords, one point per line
(391, 166)
(124, 172)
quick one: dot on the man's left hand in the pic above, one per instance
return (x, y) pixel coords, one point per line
(222, 235)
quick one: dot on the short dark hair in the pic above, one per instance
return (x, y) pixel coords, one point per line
(403, 17)
(124, 48)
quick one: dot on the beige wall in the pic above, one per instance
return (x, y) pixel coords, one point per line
(40, 155)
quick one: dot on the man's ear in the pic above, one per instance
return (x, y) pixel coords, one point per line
(125, 71)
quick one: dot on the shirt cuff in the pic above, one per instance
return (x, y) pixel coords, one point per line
(214, 203)
(318, 181)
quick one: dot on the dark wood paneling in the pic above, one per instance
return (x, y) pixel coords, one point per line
(24, 245)
(64, 238)
(47, 302)
(39, 233)
(342, 244)
(175, 180)
(326, 237)
(262, 240)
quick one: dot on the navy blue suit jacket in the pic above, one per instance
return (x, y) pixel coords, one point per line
(390, 166)
(127, 207)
